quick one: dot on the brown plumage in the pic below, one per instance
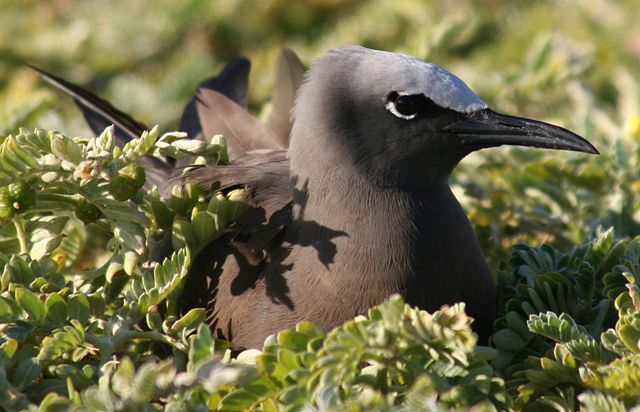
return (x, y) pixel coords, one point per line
(352, 205)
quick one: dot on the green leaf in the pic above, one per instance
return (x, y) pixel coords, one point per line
(190, 146)
(296, 394)
(6, 312)
(219, 208)
(559, 328)
(189, 321)
(151, 289)
(9, 347)
(104, 142)
(56, 308)
(144, 384)
(597, 402)
(19, 271)
(62, 340)
(47, 226)
(136, 148)
(65, 148)
(201, 347)
(39, 139)
(508, 340)
(26, 372)
(30, 303)
(73, 373)
(517, 324)
(15, 162)
(79, 308)
(183, 233)
(237, 204)
(43, 247)
(630, 335)
(54, 403)
(97, 303)
(223, 156)
(204, 230)
(293, 340)
(131, 259)
(123, 378)
(154, 320)
(239, 400)
(288, 359)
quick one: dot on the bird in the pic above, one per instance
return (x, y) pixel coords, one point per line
(350, 200)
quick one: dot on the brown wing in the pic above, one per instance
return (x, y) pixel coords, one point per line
(243, 132)
(264, 173)
(288, 78)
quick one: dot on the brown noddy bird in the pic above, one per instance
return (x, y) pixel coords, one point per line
(353, 204)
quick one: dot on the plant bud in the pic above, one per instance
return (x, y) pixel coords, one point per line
(236, 200)
(127, 183)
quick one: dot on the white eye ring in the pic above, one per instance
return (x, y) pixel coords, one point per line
(391, 106)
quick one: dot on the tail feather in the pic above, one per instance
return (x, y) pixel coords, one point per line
(232, 82)
(101, 114)
(288, 78)
(98, 112)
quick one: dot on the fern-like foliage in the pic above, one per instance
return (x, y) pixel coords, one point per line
(576, 342)
(396, 356)
(154, 286)
(81, 269)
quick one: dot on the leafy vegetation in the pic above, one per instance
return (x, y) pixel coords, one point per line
(92, 262)
(89, 318)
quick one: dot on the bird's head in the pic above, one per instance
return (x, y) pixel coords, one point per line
(401, 121)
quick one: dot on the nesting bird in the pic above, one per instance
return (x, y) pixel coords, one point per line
(350, 203)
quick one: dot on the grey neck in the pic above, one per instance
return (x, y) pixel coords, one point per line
(331, 191)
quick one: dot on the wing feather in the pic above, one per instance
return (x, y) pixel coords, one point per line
(288, 78)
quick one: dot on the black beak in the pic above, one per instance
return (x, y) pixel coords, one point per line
(486, 128)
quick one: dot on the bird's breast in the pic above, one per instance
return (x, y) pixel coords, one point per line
(354, 257)
(338, 261)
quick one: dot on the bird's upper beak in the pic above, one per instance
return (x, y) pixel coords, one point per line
(486, 128)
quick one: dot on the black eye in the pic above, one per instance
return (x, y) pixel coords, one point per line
(405, 106)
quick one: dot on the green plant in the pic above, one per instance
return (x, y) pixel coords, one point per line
(560, 335)
(77, 279)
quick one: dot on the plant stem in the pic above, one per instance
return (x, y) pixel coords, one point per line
(126, 336)
(21, 234)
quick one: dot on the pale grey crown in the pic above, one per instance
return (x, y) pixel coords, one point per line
(409, 75)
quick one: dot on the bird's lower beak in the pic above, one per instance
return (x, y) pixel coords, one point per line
(486, 128)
